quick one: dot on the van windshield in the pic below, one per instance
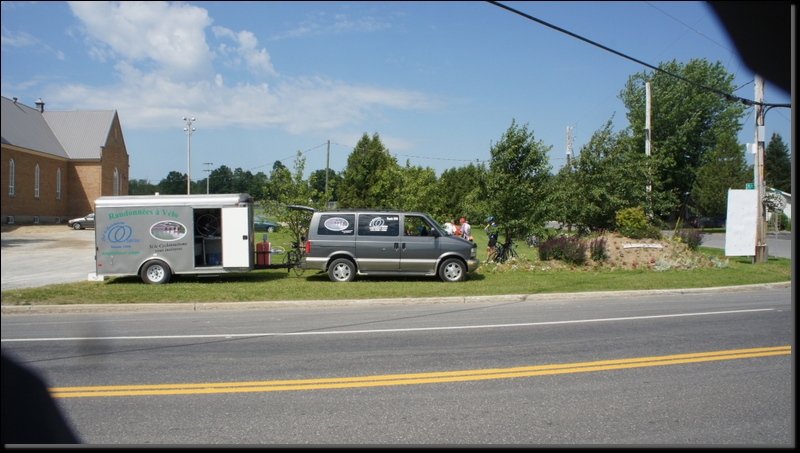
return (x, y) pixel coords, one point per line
(438, 227)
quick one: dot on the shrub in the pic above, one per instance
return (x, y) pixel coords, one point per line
(785, 222)
(563, 248)
(598, 250)
(692, 238)
(632, 222)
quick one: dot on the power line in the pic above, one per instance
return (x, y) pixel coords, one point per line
(688, 26)
(727, 96)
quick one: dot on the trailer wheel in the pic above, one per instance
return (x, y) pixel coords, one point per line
(156, 272)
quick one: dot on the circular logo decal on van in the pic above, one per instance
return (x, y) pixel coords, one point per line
(336, 224)
(168, 230)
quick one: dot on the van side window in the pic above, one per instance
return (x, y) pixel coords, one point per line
(416, 226)
(378, 225)
(336, 225)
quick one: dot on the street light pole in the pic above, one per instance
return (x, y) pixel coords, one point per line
(207, 170)
(189, 129)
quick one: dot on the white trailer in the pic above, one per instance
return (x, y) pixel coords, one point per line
(157, 236)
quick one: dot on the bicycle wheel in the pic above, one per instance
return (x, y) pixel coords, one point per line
(512, 253)
(297, 266)
(501, 256)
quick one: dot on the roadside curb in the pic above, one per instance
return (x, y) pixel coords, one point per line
(511, 298)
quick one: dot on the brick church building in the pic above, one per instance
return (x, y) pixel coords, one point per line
(56, 163)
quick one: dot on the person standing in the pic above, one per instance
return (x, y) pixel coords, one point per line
(450, 227)
(491, 230)
(466, 229)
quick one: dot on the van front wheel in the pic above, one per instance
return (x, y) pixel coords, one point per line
(156, 272)
(452, 270)
(341, 270)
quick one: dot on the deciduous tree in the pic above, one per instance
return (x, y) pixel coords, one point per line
(519, 172)
(371, 178)
(686, 120)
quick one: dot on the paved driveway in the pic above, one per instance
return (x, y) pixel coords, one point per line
(45, 254)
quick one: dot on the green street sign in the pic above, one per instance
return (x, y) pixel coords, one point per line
(751, 186)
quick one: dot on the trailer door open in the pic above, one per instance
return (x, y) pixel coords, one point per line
(236, 240)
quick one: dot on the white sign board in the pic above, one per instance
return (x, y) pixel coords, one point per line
(740, 227)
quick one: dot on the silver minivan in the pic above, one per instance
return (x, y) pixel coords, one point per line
(349, 242)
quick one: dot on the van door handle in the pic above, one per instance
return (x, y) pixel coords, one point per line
(396, 246)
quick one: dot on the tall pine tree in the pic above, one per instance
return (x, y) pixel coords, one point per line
(778, 164)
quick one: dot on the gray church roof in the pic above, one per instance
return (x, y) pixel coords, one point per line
(77, 135)
(25, 127)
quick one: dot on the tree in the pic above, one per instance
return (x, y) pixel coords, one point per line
(461, 192)
(562, 206)
(371, 178)
(687, 121)
(294, 191)
(141, 187)
(317, 181)
(608, 175)
(417, 189)
(242, 181)
(517, 182)
(778, 164)
(221, 180)
(279, 185)
(725, 169)
(174, 184)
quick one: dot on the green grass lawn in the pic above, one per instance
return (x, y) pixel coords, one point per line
(526, 276)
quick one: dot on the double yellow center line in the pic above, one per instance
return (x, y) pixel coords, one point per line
(408, 379)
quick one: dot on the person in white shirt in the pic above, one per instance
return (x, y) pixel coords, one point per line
(449, 227)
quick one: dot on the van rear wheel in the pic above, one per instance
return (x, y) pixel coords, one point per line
(156, 272)
(342, 270)
(452, 270)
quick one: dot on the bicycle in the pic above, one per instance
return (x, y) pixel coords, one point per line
(294, 258)
(505, 252)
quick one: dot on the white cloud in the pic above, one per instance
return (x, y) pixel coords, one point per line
(11, 39)
(165, 71)
(256, 60)
(321, 23)
(171, 35)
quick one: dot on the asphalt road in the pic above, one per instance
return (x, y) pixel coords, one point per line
(681, 369)
(43, 255)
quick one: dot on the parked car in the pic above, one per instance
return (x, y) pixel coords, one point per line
(83, 222)
(262, 224)
(708, 222)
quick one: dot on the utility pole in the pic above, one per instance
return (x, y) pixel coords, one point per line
(569, 147)
(758, 169)
(327, 169)
(208, 172)
(647, 137)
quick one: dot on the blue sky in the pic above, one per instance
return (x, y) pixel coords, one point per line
(438, 81)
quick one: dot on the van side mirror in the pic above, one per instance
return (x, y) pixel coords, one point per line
(435, 233)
